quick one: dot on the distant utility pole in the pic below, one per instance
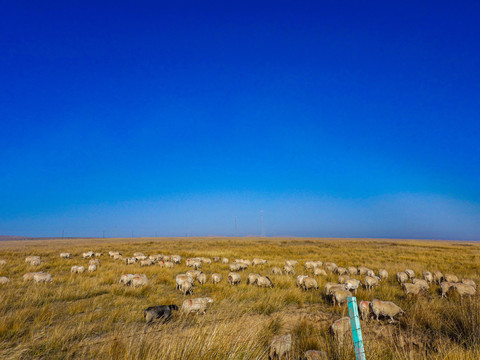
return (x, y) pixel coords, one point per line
(261, 220)
(236, 233)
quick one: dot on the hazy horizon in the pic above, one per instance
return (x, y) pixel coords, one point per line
(175, 119)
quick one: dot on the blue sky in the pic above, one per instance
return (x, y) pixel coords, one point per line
(335, 120)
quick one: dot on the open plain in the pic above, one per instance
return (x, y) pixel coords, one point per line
(90, 315)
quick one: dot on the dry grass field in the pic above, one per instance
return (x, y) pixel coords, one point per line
(92, 316)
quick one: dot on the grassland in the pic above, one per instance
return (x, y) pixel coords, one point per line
(91, 316)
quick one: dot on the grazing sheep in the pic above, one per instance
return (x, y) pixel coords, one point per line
(309, 283)
(315, 355)
(422, 283)
(411, 289)
(383, 274)
(193, 273)
(371, 273)
(216, 278)
(330, 287)
(291, 262)
(427, 275)
(244, 261)
(32, 258)
(139, 280)
(94, 262)
(437, 277)
(197, 265)
(216, 259)
(202, 278)
(352, 270)
(198, 305)
(444, 287)
(88, 255)
(35, 262)
(225, 260)
(352, 284)
(138, 254)
(300, 279)
(317, 272)
(130, 261)
(163, 312)
(147, 262)
(189, 261)
(235, 267)
(252, 278)
(92, 268)
(259, 262)
(3, 262)
(340, 297)
(289, 270)
(370, 282)
(469, 282)
(264, 281)
(42, 277)
(385, 308)
(176, 259)
(362, 270)
(77, 269)
(169, 265)
(402, 277)
(167, 258)
(156, 257)
(276, 271)
(206, 260)
(98, 254)
(340, 328)
(28, 276)
(364, 309)
(234, 278)
(463, 289)
(280, 346)
(113, 253)
(118, 257)
(181, 278)
(329, 266)
(341, 271)
(66, 255)
(4, 280)
(450, 278)
(126, 279)
(410, 273)
(310, 265)
(186, 288)
(342, 279)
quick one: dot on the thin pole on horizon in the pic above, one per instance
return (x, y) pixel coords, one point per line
(236, 233)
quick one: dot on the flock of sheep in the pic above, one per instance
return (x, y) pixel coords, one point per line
(337, 292)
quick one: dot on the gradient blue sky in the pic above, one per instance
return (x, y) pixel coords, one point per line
(334, 118)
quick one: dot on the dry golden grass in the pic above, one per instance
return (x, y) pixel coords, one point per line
(91, 316)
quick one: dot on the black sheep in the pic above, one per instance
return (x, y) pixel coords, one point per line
(155, 312)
